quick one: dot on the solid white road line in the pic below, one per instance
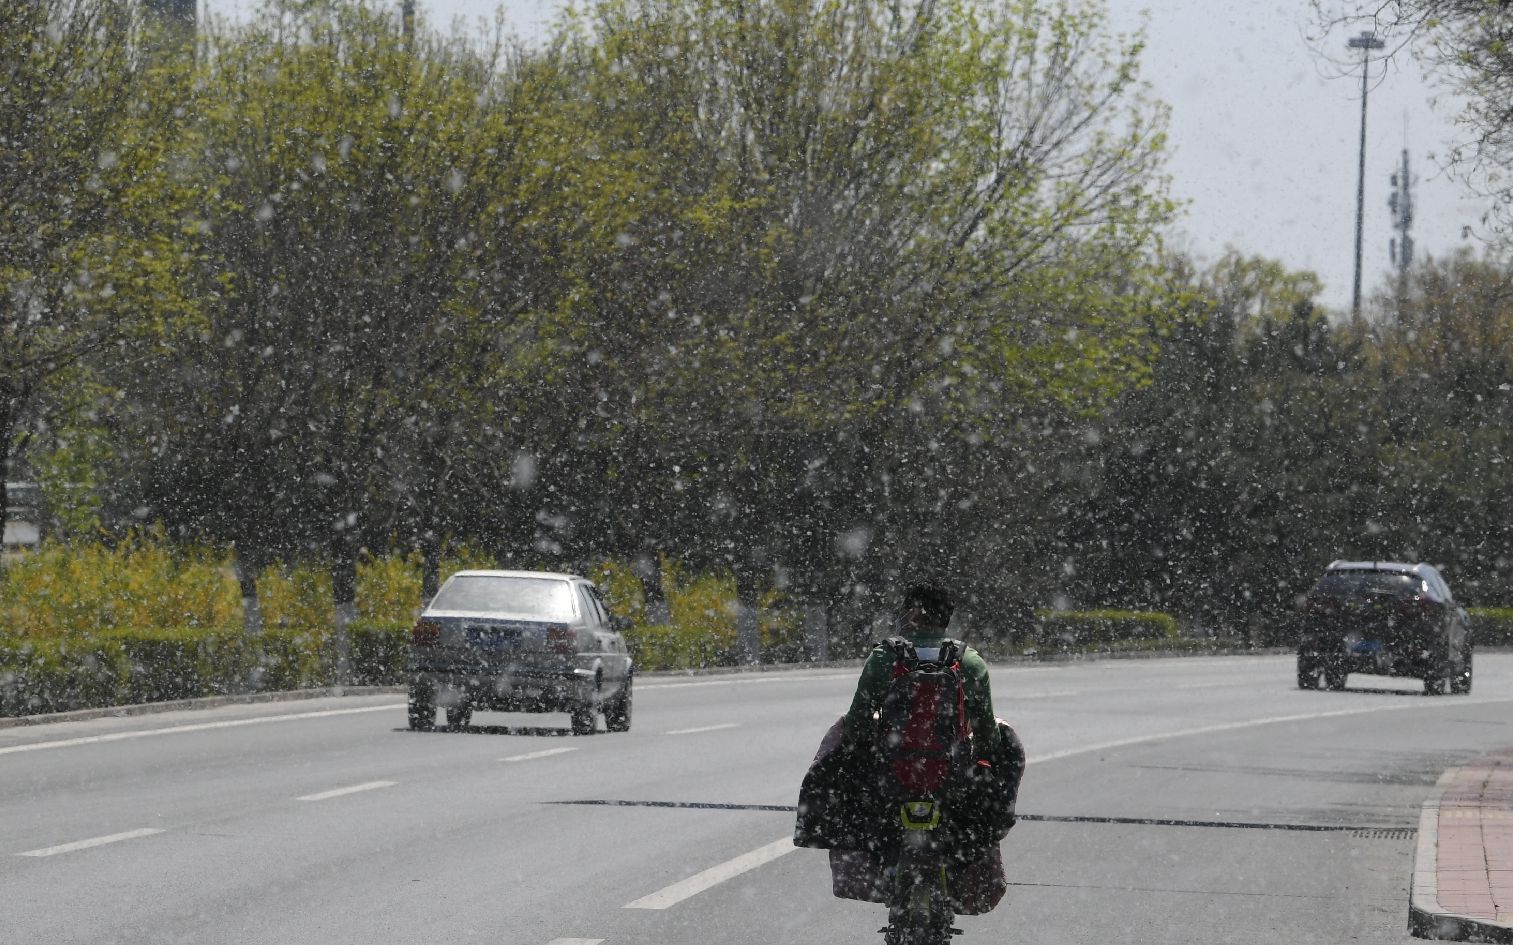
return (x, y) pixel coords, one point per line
(693, 885)
(342, 792)
(531, 756)
(94, 842)
(575, 941)
(704, 728)
(1446, 703)
(739, 681)
(197, 727)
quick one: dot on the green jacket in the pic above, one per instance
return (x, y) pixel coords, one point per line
(878, 672)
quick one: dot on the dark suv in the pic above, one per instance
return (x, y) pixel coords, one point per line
(1386, 618)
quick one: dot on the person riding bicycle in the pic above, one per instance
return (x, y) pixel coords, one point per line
(922, 620)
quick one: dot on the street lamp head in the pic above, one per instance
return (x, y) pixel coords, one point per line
(1367, 40)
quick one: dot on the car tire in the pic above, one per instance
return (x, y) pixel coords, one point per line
(422, 709)
(1441, 678)
(458, 717)
(1334, 677)
(1308, 673)
(1460, 683)
(617, 713)
(585, 715)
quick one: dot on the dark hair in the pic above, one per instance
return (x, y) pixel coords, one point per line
(933, 599)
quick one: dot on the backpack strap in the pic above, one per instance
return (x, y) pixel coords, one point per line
(951, 652)
(905, 658)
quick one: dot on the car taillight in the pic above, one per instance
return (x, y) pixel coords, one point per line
(1319, 606)
(426, 633)
(1416, 607)
(561, 640)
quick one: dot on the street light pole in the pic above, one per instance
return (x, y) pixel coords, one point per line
(1365, 42)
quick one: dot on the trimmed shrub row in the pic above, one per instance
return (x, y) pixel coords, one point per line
(125, 667)
(1076, 629)
(1491, 626)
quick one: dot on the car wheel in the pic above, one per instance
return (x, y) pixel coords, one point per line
(1460, 683)
(1334, 677)
(585, 716)
(617, 713)
(458, 717)
(422, 709)
(1308, 673)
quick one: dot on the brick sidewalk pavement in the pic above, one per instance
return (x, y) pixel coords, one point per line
(1463, 869)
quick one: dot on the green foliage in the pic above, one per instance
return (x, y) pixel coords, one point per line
(78, 591)
(57, 674)
(701, 633)
(181, 662)
(88, 226)
(1069, 629)
(1491, 626)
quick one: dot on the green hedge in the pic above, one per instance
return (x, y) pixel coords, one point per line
(1077, 629)
(125, 667)
(1491, 626)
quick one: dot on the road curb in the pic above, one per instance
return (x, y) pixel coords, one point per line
(1426, 917)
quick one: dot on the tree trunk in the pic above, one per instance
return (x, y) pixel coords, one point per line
(430, 566)
(252, 616)
(7, 437)
(748, 631)
(246, 579)
(649, 569)
(344, 593)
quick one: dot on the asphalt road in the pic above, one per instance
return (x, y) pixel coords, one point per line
(326, 822)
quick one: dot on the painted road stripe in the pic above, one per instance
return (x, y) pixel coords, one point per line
(197, 727)
(704, 728)
(342, 792)
(1399, 706)
(739, 681)
(95, 842)
(576, 941)
(693, 885)
(532, 756)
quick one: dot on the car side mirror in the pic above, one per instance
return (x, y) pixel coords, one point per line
(619, 624)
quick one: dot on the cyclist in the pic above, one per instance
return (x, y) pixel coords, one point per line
(922, 620)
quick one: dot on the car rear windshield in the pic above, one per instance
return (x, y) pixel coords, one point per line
(1346, 583)
(542, 598)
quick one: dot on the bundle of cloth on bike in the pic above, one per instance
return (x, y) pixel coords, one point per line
(845, 807)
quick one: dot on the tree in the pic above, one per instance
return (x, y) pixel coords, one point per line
(88, 207)
(862, 221)
(372, 232)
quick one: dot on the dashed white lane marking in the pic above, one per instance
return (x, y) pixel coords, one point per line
(531, 756)
(575, 941)
(342, 792)
(197, 727)
(693, 885)
(93, 842)
(704, 728)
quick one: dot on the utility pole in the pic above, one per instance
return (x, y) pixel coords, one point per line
(176, 21)
(180, 14)
(1401, 205)
(1365, 42)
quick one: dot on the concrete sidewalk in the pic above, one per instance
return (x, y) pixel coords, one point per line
(1463, 869)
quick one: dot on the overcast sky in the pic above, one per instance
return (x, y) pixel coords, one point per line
(1264, 131)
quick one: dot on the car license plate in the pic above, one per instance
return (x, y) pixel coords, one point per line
(493, 638)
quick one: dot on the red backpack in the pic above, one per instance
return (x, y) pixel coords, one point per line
(922, 729)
